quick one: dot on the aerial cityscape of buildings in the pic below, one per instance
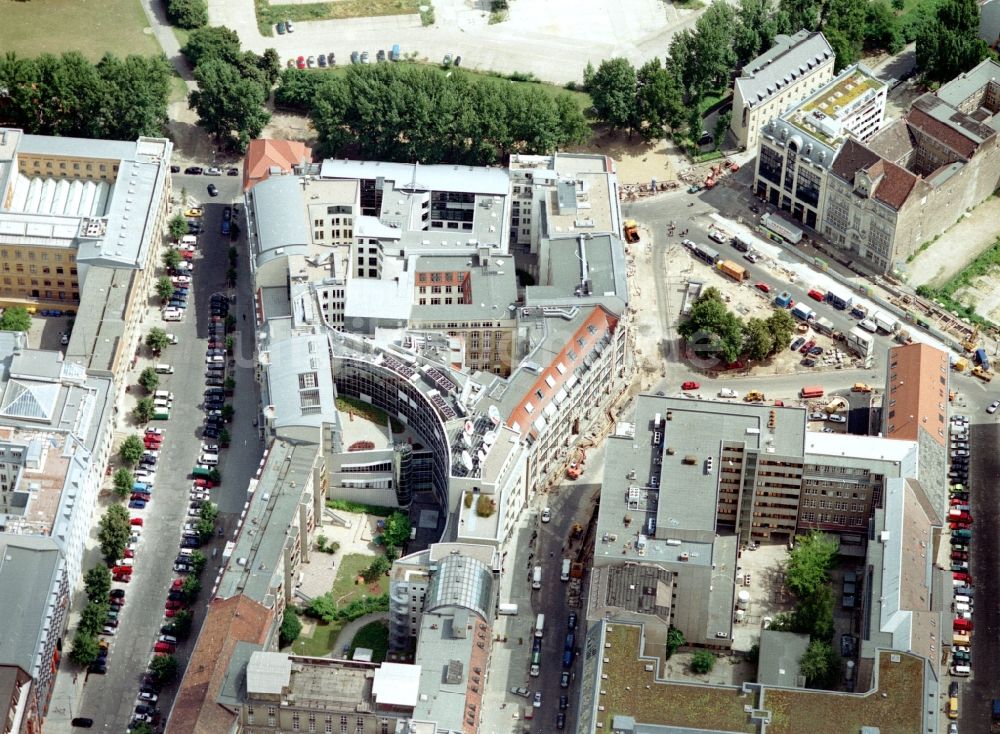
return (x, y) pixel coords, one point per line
(466, 344)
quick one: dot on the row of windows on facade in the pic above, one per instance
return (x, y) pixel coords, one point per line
(19, 254)
(828, 517)
(33, 292)
(335, 222)
(49, 165)
(327, 724)
(320, 235)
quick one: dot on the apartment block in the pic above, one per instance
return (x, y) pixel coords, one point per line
(791, 70)
(797, 148)
(906, 185)
(67, 204)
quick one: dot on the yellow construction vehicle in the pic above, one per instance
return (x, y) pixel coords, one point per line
(754, 396)
(971, 343)
(984, 375)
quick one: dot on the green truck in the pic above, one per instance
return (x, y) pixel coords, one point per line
(201, 472)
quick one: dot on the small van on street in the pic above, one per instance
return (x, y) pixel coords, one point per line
(163, 369)
(536, 578)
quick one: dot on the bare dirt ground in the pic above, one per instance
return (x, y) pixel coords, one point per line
(957, 247)
(636, 160)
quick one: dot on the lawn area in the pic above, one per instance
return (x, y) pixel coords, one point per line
(269, 15)
(696, 707)
(367, 411)
(92, 28)
(178, 89)
(345, 590)
(319, 643)
(895, 708)
(374, 636)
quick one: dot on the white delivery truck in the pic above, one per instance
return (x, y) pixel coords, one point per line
(507, 609)
(539, 625)
(536, 578)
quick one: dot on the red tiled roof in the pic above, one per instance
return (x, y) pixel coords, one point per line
(263, 155)
(551, 379)
(918, 392)
(895, 186)
(948, 136)
(228, 622)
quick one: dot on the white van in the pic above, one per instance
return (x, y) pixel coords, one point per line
(173, 314)
(209, 459)
(163, 369)
(961, 671)
(868, 325)
(163, 395)
(961, 608)
(215, 359)
(564, 574)
(963, 599)
(536, 578)
(728, 392)
(161, 403)
(189, 240)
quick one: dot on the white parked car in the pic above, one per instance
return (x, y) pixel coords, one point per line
(546, 514)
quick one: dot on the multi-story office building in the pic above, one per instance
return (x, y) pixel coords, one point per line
(797, 148)
(781, 77)
(68, 204)
(889, 194)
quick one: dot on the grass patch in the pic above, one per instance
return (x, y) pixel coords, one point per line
(985, 262)
(320, 642)
(348, 506)
(895, 708)
(268, 15)
(369, 412)
(498, 16)
(92, 28)
(374, 636)
(697, 707)
(345, 590)
(178, 89)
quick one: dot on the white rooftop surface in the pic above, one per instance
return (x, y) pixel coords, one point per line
(395, 684)
(805, 274)
(862, 447)
(468, 179)
(268, 672)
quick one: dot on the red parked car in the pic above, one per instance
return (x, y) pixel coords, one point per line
(207, 483)
(300, 62)
(135, 521)
(762, 287)
(173, 604)
(804, 349)
(962, 624)
(817, 295)
(123, 577)
(177, 584)
(962, 576)
(959, 556)
(164, 647)
(959, 517)
(690, 385)
(122, 570)
(960, 525)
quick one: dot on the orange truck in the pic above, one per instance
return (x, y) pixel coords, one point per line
(734, 271)
(814, 391)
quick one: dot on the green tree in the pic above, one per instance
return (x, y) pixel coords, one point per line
(212, 43)
(714, 57)
(378, 567)
(819, 664)
(323, 607)
(801, 13)
(164, 669)
(782, 326)
(269, 64)
(230, 384)
(702, 662)
(297, 89)
(224, 438)
(133, 96)
(92, 617)
(396, 530)
(97, 583)
(613, 92)
(809, 563)
(149, 380)
(206, 520)
(198, 561)
(291, 627)
(756, 27)
(227, 412)
(660, 100)
(177, 226)
(721, 125)
(141, 727)
(191, 587)
(130, 450)
(813, 613)
(180, 624)
(229, 106)
(215, 476)
(157, 339)
(171, 258)
(188, 13)
(711, 329)
(85, 649)
(164, 288)
(948, 43)
(758, 341)
(144, 410)
(881, 29)
(15, 318)
(123, 479)
(230, 343)
(675, 640)
(113, 532)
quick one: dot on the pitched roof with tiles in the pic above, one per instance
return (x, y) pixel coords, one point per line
(918, 392)
(228, 623)
(263, 155)
(893, 183)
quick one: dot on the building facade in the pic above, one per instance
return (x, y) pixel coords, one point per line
(792, 69)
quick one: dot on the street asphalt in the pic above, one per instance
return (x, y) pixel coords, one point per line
(110, 699)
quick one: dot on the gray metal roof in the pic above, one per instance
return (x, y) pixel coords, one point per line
(256, 560)
(780, 653)
(959, 89)
(603, 256)
(786, 61)
(292, 403)
(443, 644)
(494, 289)
(278, 220)
(31, 565)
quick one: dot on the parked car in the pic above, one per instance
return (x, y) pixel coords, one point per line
(690, 385)
(213, 190)
(798, 343)
(194, 170)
